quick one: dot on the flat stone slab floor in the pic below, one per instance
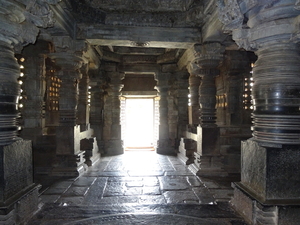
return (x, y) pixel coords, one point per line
(134, 188)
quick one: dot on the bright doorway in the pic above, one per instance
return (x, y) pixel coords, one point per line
(138, 125)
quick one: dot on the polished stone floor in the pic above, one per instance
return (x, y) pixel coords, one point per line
(137, 188)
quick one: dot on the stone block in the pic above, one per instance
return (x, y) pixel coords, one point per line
(18, 194)
(272, 174)
(16, 172)
(208, 140)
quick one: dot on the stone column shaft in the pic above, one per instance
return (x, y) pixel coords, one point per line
(83, 108)
(164, 144)
(9, 94)
(207, 98)
(194, 83)
(69, 158)
(276, 96)
(113, 142)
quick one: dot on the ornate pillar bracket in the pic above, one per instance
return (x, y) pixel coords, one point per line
(208, 57)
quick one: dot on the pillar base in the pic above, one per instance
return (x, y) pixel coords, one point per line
(19, 197)
(114, 147)
(90, 147)
(254, 212)
(187, 148)
(208, 166)
(272, 174)
(164, 147)
(69, 165)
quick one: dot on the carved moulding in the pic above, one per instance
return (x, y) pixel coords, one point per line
(230, 14)
(20, 20)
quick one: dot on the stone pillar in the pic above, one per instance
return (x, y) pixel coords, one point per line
(164, 144)
(69, 158)
(34, 88)
(97, 111)
(113, 143)
(83, 108)
(182, 102)
(269, 189)
(18, 194)
(194, 107)
(208, 158)
(237, 67)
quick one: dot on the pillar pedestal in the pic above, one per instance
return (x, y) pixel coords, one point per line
(208, 160)
(19, 197)
(69, 160)
(269, 189)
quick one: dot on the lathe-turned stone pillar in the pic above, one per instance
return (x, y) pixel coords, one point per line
(33, 85)
(69, 158)
(19, 197)
(164, 143)
(269, 189)
(207, 158)
(113, 143)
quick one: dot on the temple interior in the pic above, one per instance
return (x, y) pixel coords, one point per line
(150, 112)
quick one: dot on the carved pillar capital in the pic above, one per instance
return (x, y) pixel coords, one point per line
(67, 62)
(20, 20)
(208, 55)
(266, 22)
(271, 29)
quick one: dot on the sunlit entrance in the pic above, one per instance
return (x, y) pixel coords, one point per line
(139, 124)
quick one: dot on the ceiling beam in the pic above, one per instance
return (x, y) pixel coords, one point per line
(158, 37)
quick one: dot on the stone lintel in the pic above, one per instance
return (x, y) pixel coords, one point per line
(138, 51)
(139, 36)
(168, 57)
(140, 68)
(107, 55)
(134, 59)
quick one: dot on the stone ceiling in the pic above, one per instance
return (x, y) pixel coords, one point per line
(125, 25)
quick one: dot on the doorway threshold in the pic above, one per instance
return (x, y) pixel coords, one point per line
(150, 148)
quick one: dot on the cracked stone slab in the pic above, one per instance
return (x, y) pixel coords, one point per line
(84, 181)
(152, 199)
(175, 197)
(114, 189)
(151, 190)
(204, 195)
(169, 183)
(70, 201)
(136, 173)
(133, 191)
(76, 191)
